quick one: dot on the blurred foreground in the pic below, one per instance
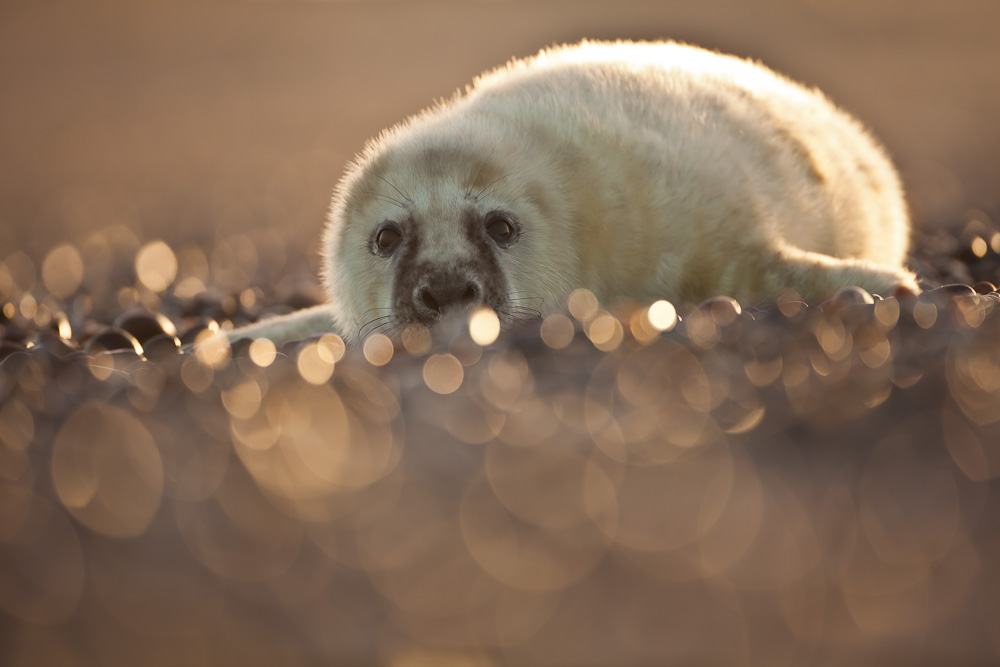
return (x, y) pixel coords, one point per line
(797, 485)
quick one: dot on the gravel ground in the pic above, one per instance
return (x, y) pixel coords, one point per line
(782, 486)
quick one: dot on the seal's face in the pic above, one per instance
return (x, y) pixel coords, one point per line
(420, 238)
(450, 263)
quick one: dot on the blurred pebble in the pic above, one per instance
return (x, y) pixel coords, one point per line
(201, 324)
(61, 326)
(944, 296)
(53, 343)
(144, 325)
(76, 356)
(290, 348)
(956, 288)
(241, 348)
(984, 287)
(854, 314)
(845, 297)
(120, 359)
(724, 309)
(7, 349)
(793, 309)
(210, 304)
(13, 330)
(13, 362)
(162, 347)
(112, 338)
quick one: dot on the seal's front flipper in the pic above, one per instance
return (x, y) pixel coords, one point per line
(291, 327)
(817, 277)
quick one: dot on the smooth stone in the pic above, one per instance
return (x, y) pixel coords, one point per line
(144, 325)
(112, 338)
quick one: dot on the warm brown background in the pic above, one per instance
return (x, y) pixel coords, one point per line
(192, 120)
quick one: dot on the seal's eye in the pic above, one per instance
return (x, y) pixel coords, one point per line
(501, 228)
(386, 238)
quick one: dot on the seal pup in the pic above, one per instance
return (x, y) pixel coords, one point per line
(636, 170)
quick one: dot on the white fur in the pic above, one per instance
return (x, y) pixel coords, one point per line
(638, 170)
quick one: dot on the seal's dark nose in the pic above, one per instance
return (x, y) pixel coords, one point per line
(438, 295)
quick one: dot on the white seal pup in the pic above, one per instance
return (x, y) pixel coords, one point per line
(636, 170)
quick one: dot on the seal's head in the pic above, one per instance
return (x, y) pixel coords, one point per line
(430, 223)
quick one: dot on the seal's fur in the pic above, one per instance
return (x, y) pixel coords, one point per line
(635, 170)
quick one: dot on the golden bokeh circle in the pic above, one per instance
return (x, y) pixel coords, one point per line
(107, 470)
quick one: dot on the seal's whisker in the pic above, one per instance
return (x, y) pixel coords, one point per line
(380, 317)
(392, 330)
(518, 305)
(373, 325)
(475, 181)
(520, 295)
(374, 310)
(400, 192)
(521, 314)
(379, 195)
(488, 189)
(525, 311)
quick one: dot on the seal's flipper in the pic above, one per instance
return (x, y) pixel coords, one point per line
(816, 276)
(293, 326)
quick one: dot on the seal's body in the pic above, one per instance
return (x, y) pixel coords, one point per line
(636, 170)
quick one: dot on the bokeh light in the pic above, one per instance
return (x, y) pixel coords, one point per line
(484, 326)
(315, 363)
(443, 373)
(416, 339)
(62, 271)
(662, 315)
(156, 266)
(378, 350)
(212, 348)
(107, 470)
(262, 352)
(582, 304)
(557, 331)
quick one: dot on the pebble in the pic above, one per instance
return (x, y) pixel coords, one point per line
(241, 348)
(144, 325)
(189, 335)
(845, 297)
(211, 304)
(724, 309)
(113, 338)
(984, 287)
(162, 347)
(954, 289)
(53, 343)
(7, 348)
